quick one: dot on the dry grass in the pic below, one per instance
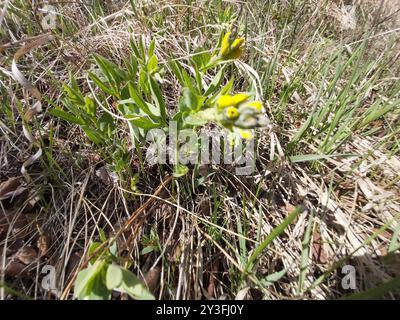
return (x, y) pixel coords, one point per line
(201, 235)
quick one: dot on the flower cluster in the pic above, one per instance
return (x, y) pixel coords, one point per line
(231, 48)
(235, 111)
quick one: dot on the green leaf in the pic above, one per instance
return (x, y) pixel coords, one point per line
(93, 135)
(195, 119)
(176, 70)
(113, 249)
(188, 101)
(106, 125)
(66, 116)
(200, 58)
(99, 290)
(181, 74)
(113, 73)
(87, 281)
(138, 100)
(152, 64)
(394, 242)
(225, 90)
(83, 283)
(200, 118)
(102, 235)
(305, 254)
(74, 84)
(274, 277)
(228, 87)
(145, 123)
(104, 87)
(92, 249)
(75, 110)
(216, 82)
(147, 250)
(132, 66)
(143, 84)
(90, 107)
(114, 276)
(157, 97)
(152, 46)
(188, 81)
(131, 285)
(275, 233)
(199, 78)
(74, 94)
(135, 50)
(142, 45)
(180, 170)
(314, 157)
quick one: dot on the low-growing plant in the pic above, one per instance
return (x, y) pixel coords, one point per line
(104, 275)
(133, 94)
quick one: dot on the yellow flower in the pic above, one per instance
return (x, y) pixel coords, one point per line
(231, 113)
(254, 104)
(240, 98)
(237, 43)
(235, 112)
(226, 100)
(231, 49)
(245, 134)
(225, 45)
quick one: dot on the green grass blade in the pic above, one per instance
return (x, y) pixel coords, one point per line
(275, 233)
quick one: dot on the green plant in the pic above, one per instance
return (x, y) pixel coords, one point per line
(333, 99)
(104, 275)
(134, 94)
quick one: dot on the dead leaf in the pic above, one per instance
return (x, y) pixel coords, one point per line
(33, 111)
(2, 252)
(18, 224)
(241, 295)
(106, 176)
(17, 74)
(73, 263)
(11, 188)
(318, 251)
(213, 278)
(151, 278)
(289, 207)
(15, 268)
(13, 247)
(43, 245)
(205, 207)
(30, 161)
(27, 255)
(204, 170)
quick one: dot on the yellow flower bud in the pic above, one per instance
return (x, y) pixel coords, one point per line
(225, 101)
(245, 134)
(225, 45)
(240, 98)
(237, 43)
(255, 104)
(231, 113)
(231, 49)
